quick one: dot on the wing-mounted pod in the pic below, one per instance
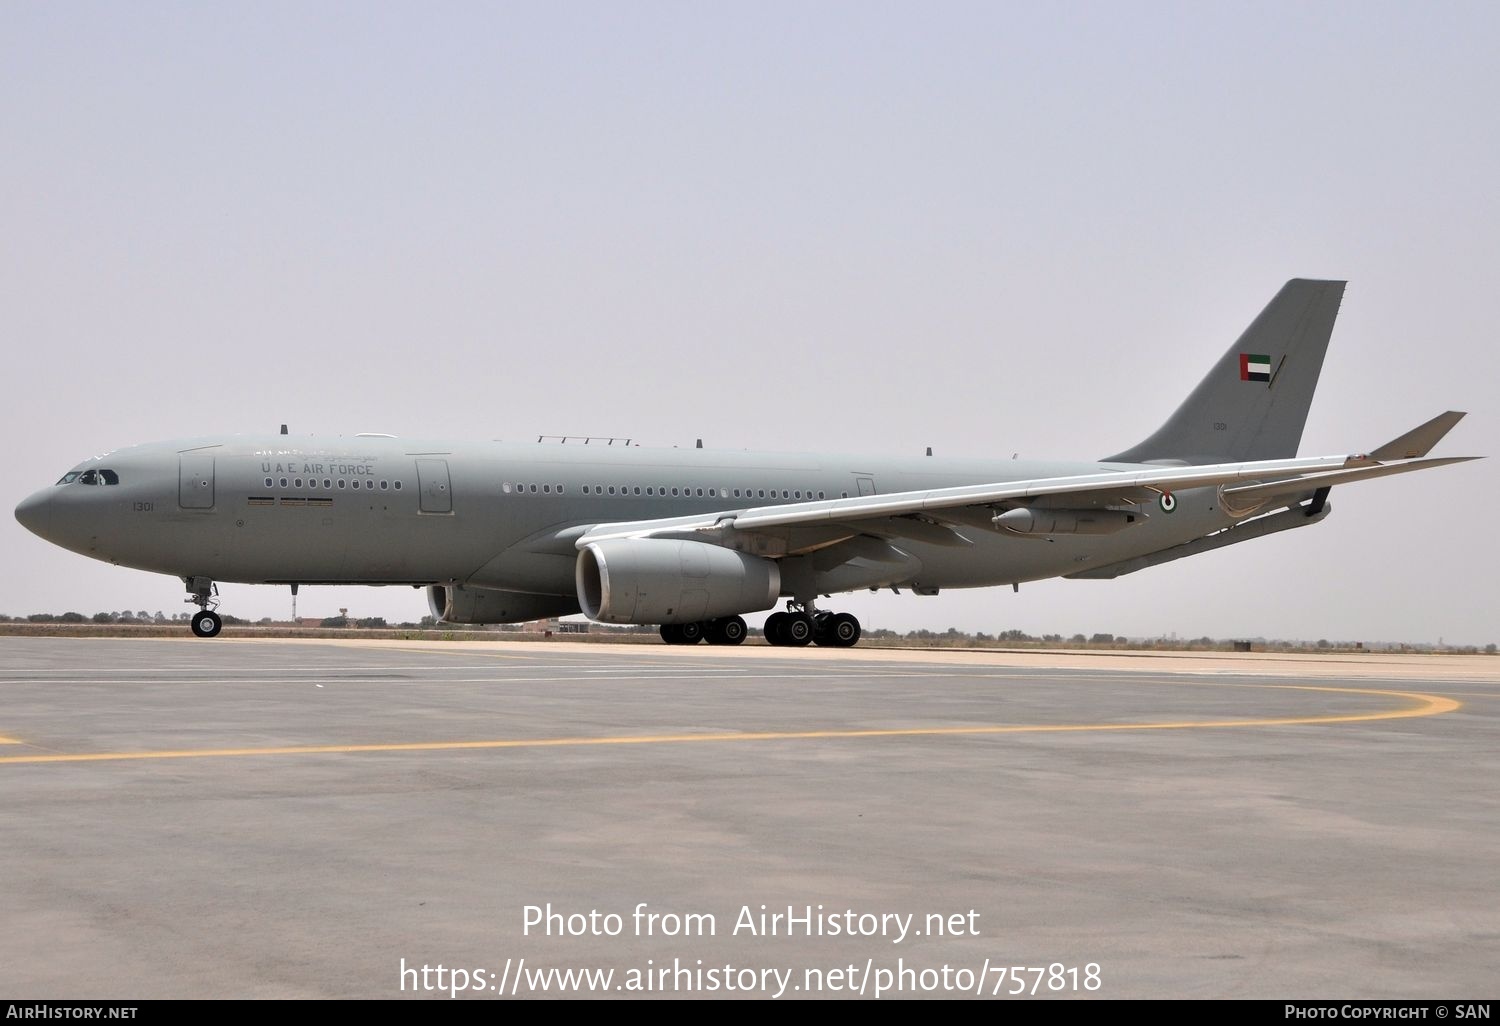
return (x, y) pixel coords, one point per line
(1034, 522)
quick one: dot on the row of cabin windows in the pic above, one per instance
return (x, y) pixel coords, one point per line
(330, 484)
(655, 490)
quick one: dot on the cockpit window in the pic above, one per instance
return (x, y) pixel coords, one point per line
(69, 477)
(94, 477)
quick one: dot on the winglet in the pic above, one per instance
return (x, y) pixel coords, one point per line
(1419, 440)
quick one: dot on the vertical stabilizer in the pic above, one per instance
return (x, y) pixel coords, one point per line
(1253, 404)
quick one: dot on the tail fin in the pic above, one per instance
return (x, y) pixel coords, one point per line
(1253, 404)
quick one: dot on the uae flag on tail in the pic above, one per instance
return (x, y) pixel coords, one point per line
(1254, 367)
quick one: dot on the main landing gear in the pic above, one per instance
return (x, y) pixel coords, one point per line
(798, 627)
(206, 623)
(728, 630)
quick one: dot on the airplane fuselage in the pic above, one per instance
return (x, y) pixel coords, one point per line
(381, 510)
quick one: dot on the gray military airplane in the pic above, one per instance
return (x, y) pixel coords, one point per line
(691, 539)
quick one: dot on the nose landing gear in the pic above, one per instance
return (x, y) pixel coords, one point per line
(206, 622)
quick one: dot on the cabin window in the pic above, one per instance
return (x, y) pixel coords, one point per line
(342, 482)
(328, 483)
(269, 482)
(398, 486)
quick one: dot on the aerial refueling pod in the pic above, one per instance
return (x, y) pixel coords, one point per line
(1066, 521)
(661, 580)
(490, 605)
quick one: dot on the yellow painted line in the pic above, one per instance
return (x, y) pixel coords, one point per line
(9, 741)
(1425, 705)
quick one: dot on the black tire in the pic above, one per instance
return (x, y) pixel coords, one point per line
(843, 631)
(797, 629)
(732, 630)
(772, 629)
(691, 633)
(671, 633)
(824, 630)
(207, 625)
(821, 633)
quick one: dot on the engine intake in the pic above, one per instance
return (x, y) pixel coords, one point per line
(659, 580)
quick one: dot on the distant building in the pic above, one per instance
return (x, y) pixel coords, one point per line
(554, 626)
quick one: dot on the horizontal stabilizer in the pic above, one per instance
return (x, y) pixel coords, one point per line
(1419, 440)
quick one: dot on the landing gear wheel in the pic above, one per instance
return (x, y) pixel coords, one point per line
(206, 624)
(843, 631)
(732, 630)
(821, 622)
(671, 633)
(690, 633)
(797, 629)
(728, 631)
(773, 629)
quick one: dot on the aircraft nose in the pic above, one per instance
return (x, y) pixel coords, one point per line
(35, 513)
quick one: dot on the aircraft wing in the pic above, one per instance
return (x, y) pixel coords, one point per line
(922, 515)
(1256, 493)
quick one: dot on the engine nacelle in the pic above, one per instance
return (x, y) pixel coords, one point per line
(489, 605)
(658, 580)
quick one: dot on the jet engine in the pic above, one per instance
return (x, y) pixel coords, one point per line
(489, 605)
(658, 580)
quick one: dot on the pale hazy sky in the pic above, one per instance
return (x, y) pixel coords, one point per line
(988, 228)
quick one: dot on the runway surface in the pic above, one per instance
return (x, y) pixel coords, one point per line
(270, 819)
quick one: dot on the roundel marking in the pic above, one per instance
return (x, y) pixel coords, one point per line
(1168, 502)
